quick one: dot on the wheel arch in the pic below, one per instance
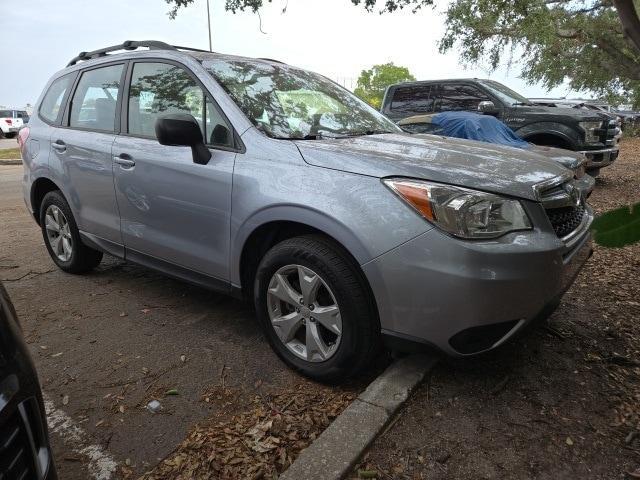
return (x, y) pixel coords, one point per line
(39, 188)
(551, 135)
(255, 240)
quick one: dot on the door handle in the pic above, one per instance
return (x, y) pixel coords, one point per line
(125, 161)
(59, 145)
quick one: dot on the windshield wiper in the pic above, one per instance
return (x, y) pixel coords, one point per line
(366, 132)
(309, 136)
(518, 104)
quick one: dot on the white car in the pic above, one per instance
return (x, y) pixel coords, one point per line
(11, 121)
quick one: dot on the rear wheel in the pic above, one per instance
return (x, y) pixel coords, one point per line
(62, 238)
(316, 310)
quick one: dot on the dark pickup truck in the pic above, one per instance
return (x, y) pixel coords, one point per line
(593, 133)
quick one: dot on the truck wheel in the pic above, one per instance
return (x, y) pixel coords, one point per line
(316, 309)
(62, 238)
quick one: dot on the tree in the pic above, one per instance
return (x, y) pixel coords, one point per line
(592, 44)
(372, 83)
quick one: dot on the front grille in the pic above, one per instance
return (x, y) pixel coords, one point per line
(16, 453)
(566, 219)
(609, 132)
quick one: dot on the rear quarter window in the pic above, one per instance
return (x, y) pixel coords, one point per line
(5, 114)
(52, 101)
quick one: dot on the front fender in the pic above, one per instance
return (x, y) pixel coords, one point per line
(302, 215)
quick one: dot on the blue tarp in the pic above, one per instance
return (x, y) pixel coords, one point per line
(474, 126)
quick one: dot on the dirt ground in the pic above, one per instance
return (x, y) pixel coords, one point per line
(107, 343)
(561, 402)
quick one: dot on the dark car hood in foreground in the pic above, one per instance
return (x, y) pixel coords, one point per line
(467, 163)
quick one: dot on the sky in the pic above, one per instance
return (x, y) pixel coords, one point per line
(332, 37)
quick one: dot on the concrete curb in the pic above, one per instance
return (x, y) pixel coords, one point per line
(334, 453)
(11, 162)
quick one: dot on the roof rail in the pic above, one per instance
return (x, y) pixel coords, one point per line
(128, 45)
(271, 60)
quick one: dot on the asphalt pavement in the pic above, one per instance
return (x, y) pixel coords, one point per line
(108, 342)
(6, 143)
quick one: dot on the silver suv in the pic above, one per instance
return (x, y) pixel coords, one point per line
(272, 183)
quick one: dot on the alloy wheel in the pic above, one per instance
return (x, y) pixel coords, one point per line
(58, 233)
(304, 313)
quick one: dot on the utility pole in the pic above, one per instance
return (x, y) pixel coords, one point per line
(209, 25)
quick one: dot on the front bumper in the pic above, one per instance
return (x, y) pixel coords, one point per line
(467, 297)
(586, 185)
(600, 158)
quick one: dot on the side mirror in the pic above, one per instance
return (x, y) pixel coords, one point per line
(179, 129)
(487, 107)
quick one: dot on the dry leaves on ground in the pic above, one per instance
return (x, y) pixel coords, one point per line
(260, 442)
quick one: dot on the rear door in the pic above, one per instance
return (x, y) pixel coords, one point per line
(409, 100)
(81, 150)
(175, 213)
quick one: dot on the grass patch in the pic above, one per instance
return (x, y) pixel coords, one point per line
(10, 154)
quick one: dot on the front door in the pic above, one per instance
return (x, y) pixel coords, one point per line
(172, 209)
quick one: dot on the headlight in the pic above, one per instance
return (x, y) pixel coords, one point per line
(580, 170)
(589, 131)
(459, 211)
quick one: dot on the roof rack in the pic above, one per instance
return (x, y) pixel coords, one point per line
(271, 60)
(129, 45)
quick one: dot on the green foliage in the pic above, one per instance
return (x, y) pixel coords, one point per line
(232, 5)
(372, 83)
(577, 41)
(618, 228)
(551, 41)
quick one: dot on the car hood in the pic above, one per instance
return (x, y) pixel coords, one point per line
(467, 163)
(546, 113)
(567, 158)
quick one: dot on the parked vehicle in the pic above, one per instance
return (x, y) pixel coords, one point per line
(485, 128)
(275, 184)
(11, 121)
(24, 442)
(595, 134)
(625, 118)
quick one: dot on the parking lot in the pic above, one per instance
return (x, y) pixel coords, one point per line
(107, 343)
(6, 143)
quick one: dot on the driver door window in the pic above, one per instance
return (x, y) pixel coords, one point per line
(159, 89)
(452, 97)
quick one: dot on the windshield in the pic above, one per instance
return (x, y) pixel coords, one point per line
(505, 93)
(285, 102)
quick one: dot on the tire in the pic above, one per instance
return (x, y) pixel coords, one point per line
(77, 258)
(339, 284)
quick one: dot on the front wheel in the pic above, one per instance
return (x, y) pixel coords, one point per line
(62, 238)
(316, 309)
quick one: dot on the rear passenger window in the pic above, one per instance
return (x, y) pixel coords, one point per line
(159, 89)
(94, 102)
(52, 101)
(412, 100)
